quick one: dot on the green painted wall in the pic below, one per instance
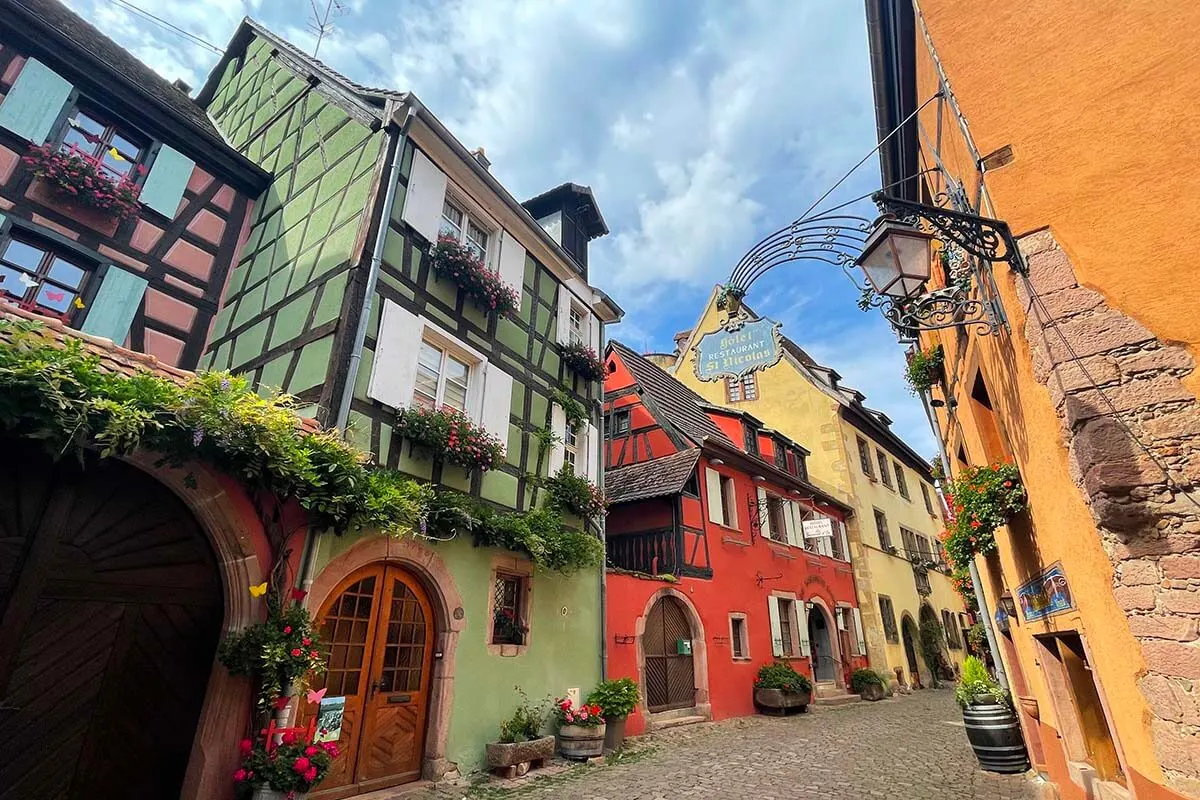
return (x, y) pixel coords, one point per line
(283, 303)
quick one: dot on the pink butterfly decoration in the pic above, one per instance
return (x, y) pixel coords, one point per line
(316, 696)
(55, 297)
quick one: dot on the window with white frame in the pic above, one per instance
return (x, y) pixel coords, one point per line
(577, 321)
(728, 502)
(459, 225)
(739, 639)
(573, 446)
(443, 378)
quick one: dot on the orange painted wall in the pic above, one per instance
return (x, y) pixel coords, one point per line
(1101, 106)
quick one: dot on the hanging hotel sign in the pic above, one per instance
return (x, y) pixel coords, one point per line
(1046, 595)
(819, 528)
(738, 349)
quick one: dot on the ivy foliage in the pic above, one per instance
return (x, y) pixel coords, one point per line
(574, 411)
(62, 394)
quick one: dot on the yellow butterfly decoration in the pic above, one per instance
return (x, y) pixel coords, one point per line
(258, 591)
(79, 303)
(112, 151)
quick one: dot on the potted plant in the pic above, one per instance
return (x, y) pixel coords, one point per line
(981, 499)
(574, 494)
(617, 699)
(450, 436)
(869, 684)
(78, 180)
(583, 361)
(924, 368)
(456, 263)
(780, 689)
(285, 771)
(580, 730)
(521, 742)
(992, 727)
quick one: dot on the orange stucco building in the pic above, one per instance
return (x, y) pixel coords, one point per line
(1079, 125)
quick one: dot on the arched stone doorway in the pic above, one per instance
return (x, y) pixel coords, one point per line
(911, 636)
(111, 606)
(669, 617)
(822, 645)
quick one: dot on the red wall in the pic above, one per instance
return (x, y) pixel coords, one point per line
(737, 562)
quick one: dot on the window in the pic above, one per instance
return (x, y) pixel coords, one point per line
(750, 438)
(728, 501)
(508, 624)
(901, 483)
(835, 543)
(462, 228)
(952, 637)
(620, 422)
(575, 454)
(888, 614)
(801, 470)
(864, 457)
(926, 498)
(923, 547)
(781, 455)
(881, 527)
(787, 611)
(883, 469)
(40, 279)
(115, 150)
(775, 514)
(442, 379)
(910, 542)
(577, 324)
(738, 639)
(743, 388)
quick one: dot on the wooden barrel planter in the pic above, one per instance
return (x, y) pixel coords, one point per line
(995, 736)
(580, 744)
(781, 702)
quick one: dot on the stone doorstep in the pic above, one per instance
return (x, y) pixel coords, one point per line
(677, 722)
(836, 699)
(396, 792)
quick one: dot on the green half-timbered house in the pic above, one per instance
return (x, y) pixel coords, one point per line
(335, 300)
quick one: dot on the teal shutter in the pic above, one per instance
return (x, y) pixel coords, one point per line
(169, 176)
(111, 312)
(33, 104)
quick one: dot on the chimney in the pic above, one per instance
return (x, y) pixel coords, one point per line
(182, 86)
(482, 158)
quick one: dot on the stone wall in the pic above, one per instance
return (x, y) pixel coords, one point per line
(1114, 384)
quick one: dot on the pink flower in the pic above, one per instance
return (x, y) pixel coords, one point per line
(297, 652)
(240, 775)
(311, 774)
(245, 746)
(311, 750)
(287, 629)
(301, 765)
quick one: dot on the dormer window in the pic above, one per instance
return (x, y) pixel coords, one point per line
(751, 438)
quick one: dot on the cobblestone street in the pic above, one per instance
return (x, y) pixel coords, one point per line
(909, 748)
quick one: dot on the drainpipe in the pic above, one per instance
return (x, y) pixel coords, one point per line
(603, 536)
(308, 559)
(976, 583)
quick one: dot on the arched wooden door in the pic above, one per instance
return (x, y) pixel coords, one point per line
(378, 627)
(670, 675)
(110, 610)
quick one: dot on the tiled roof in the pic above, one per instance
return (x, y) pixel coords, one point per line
(113, 358)
(662, 476)
(679, 404)
(70, 29)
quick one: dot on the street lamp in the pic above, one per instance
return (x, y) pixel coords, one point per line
(896, 259)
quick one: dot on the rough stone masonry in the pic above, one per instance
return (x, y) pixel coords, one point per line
(1148, 517)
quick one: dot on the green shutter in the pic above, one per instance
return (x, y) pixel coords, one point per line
(111, 312)
(168, 178)
(33, 104)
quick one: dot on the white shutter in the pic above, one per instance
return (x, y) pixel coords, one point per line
(592, 453)
(425, 196)
(558, 426)
(858, 633)
(764, 513)
(789, 519)
(497, 402)
(564, 315)
(512, 262)
(716, 503)
(594, 334)
(394, 369)
(841, 529)
(776, 628)
(802, 612)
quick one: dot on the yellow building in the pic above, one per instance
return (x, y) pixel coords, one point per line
(857, 458)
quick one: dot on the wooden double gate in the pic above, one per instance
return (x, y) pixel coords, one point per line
(670, 674)
(110, 610)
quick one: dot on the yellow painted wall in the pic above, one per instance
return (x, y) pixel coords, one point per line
(792, 404)
(1101, 105)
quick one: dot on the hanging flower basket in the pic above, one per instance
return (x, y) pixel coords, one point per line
(575, 494)
(925, 368)
(981, 500)
(459, 265)
(583, 361)
(450, 436)
(79, 180)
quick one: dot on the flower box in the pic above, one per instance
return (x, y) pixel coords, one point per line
(450, 436)
(575, 494)
(80, 181)
(583, 361)
(518, 757)
(456, 263)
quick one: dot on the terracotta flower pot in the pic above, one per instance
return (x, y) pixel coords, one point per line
(780, 701)
(579, 743)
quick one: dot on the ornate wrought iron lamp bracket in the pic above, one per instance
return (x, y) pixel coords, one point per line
(983, 237)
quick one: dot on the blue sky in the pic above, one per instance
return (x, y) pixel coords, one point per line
(701, 126)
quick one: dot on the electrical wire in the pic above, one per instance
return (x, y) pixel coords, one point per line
(162, 23)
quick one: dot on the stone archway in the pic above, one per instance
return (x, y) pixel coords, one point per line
(699, 650)
(449, 617)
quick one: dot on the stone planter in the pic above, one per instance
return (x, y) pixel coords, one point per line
(873, 692)
(265, 793)
(780, 702)
(515, 758)
(614, 734)
(579, 744)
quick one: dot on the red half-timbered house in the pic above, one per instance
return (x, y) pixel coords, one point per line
(722, 556)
